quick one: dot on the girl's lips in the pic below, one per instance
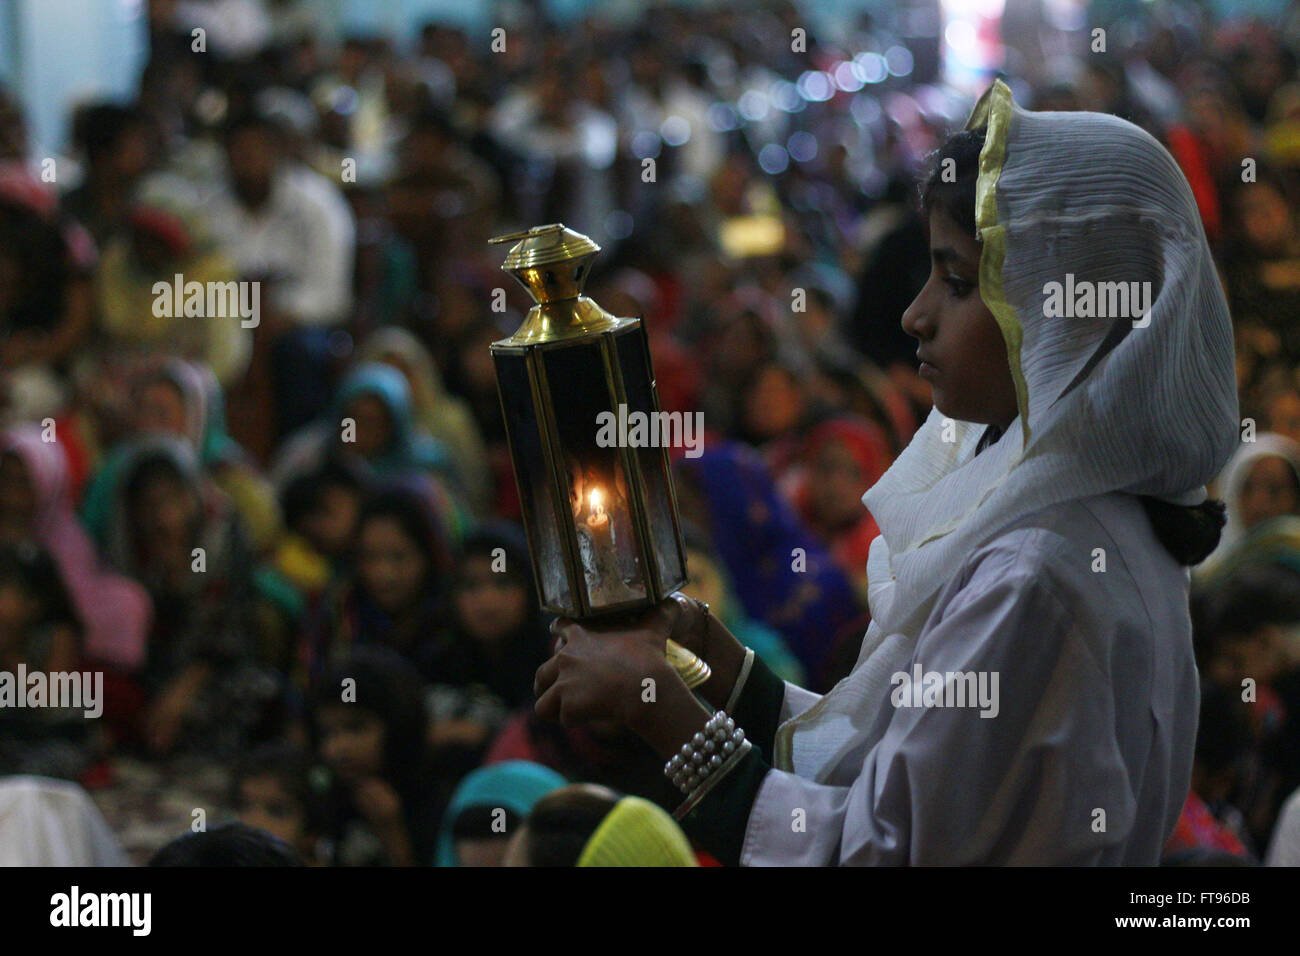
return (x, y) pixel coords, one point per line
(927, 370)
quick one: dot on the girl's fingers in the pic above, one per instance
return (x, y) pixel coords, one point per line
(548, 704)
(545, 676)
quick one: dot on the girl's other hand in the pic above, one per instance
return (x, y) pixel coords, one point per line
(620, 677)
(598, 673)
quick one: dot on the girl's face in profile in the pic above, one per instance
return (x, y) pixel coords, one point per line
(961, 346)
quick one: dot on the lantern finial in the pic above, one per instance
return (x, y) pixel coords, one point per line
(552, 263)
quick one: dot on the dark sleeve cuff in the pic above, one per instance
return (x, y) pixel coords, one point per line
(718, 822)
(758, 711)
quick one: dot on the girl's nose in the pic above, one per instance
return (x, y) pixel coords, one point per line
(916, 320)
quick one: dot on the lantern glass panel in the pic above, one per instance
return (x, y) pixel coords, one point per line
(534, 481)
(634, 363)
(598, 489)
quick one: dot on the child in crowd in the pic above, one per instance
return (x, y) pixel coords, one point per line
(39, 630)
(838, 461)
(1247, 623)
(394, 592)
(321, 509)
(495, 641)
(171, 529)
(272, 791)
(369, 730)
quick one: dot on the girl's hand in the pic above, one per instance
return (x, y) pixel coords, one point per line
(620, 677)
(598, 674)
(703, 634)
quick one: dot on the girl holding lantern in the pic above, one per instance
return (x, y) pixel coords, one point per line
(1038, 530)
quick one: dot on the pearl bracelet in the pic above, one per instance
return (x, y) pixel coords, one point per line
(704, 753)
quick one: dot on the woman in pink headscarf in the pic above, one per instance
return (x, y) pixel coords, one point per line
(840, 459)
(35, 505)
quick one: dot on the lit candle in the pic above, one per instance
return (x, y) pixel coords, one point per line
(598, 522)
(603, 568)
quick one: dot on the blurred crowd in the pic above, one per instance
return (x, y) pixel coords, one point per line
(181, 510)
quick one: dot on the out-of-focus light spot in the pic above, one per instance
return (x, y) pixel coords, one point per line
(645, 144)
(675, 130)
(815, 86)
(898, 60)
(773, 159)
(936, 107)
(1066, 17)
(865, 109)
(345, 100)
(960, 35)
(723, 118)
(785, 96)
(902, 109)
(802, 146)
(722, 71)
(210, 106)
(849, 76)
(872, 66)
(874, 182)
(753, 105)
(618, 224)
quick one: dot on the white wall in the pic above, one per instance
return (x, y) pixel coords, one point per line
(66, 52)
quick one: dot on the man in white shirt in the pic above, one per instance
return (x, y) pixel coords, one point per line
(289, 228)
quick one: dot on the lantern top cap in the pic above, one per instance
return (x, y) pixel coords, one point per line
(545, 245)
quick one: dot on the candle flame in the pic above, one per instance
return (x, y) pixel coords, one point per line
(596, 507)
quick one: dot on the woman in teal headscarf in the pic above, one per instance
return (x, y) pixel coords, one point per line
(372, 423)
(513, 786)
(372, 419)
(183, 398)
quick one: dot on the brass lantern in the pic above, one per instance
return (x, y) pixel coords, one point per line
(601, 517)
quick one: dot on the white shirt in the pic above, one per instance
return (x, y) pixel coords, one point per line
(304, 236)
(1088, 760)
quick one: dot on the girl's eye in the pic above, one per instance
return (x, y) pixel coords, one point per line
(960, 287)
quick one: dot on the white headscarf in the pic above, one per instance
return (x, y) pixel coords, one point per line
(1232, 483)
(1103, 406)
